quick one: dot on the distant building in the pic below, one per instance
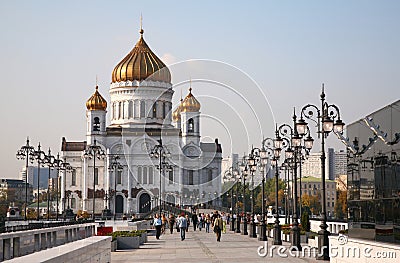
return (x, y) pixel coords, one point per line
(336, 164)
(312, 186)
(13, 190)
(33, 175)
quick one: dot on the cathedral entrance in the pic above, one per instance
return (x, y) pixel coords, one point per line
(119, 204)
(144, 203)
(171, 200)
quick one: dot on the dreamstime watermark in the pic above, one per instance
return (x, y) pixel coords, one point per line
(342, 250)
(284, 252)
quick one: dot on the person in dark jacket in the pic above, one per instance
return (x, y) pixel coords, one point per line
(195, 221)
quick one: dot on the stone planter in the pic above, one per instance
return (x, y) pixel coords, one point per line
(303, 239)
(113, 245)
(128, 242)
(143, 238)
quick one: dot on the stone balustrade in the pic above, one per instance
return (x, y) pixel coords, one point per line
(20, 243)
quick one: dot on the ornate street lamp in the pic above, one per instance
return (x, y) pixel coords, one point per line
(244, 172)
(60, 165)
(49, 161)
(116, 167)
(161, 152)
(292, 142)
(25, 153)
(267, 151)
(40, 158)
(92, 152)
(327, 118)
(232, 174)
(257, 158)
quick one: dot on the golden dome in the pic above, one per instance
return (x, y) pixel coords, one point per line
(176, 115)
(141, 63)
(190, 103)
(96, 101)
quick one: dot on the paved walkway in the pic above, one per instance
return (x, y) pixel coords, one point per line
(200, 246)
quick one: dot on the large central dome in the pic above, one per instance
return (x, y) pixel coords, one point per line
(140, 64)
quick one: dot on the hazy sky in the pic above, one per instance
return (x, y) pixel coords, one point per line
(51, 52)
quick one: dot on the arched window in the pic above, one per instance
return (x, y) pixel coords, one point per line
(145, 175)
(130, 109)
(73, 177)
(191, 177)
(151, 175)
(190, 125)
(96, 124)
(119, 177)
(119, 110)
(139, 174)
(171, 177)
(164, 105)
(73, 202)
(96, 176)
(209, 176)
(123, 110)
(114, 110)
(142, 109)
(154, 110)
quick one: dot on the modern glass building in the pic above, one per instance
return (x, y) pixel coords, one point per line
(373, 173)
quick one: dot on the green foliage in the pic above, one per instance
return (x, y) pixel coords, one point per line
(134, 233)
(305, 222)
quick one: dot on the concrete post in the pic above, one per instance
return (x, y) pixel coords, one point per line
(54, 238)
(6, 248)
(43, 241)
(37, 242)
(16, 247)
(1, 250)
(48, 243)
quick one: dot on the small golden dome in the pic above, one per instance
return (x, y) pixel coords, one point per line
(176, 115)
(141, 63)
(190, 103)
(96, 101)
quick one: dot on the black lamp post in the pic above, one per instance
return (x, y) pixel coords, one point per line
(258, 158)
(161, 152)
(94, 151)
(40, 158)
(292, 143)
(25, 153)
(324, 117)
(265, 152)
(64, 166)
(49, 161)
(233, 174)
(244, 169)
(116, 167)
(238, 178)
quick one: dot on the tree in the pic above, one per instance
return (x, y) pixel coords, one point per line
(313, 202)
(305, 222)
(341, 205)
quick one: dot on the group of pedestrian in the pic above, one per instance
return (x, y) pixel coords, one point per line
(215, 220)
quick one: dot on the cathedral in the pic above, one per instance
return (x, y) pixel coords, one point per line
(150, 153)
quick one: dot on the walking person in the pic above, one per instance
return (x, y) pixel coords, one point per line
(201, 220)
(208, 222)
(157, 224)
(171, 223)
(187, 222)
(195, 221)
(224, 222)
(218, 225)
(182, 221)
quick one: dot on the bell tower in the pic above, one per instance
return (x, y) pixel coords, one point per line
(96, 111)
(190, 119)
